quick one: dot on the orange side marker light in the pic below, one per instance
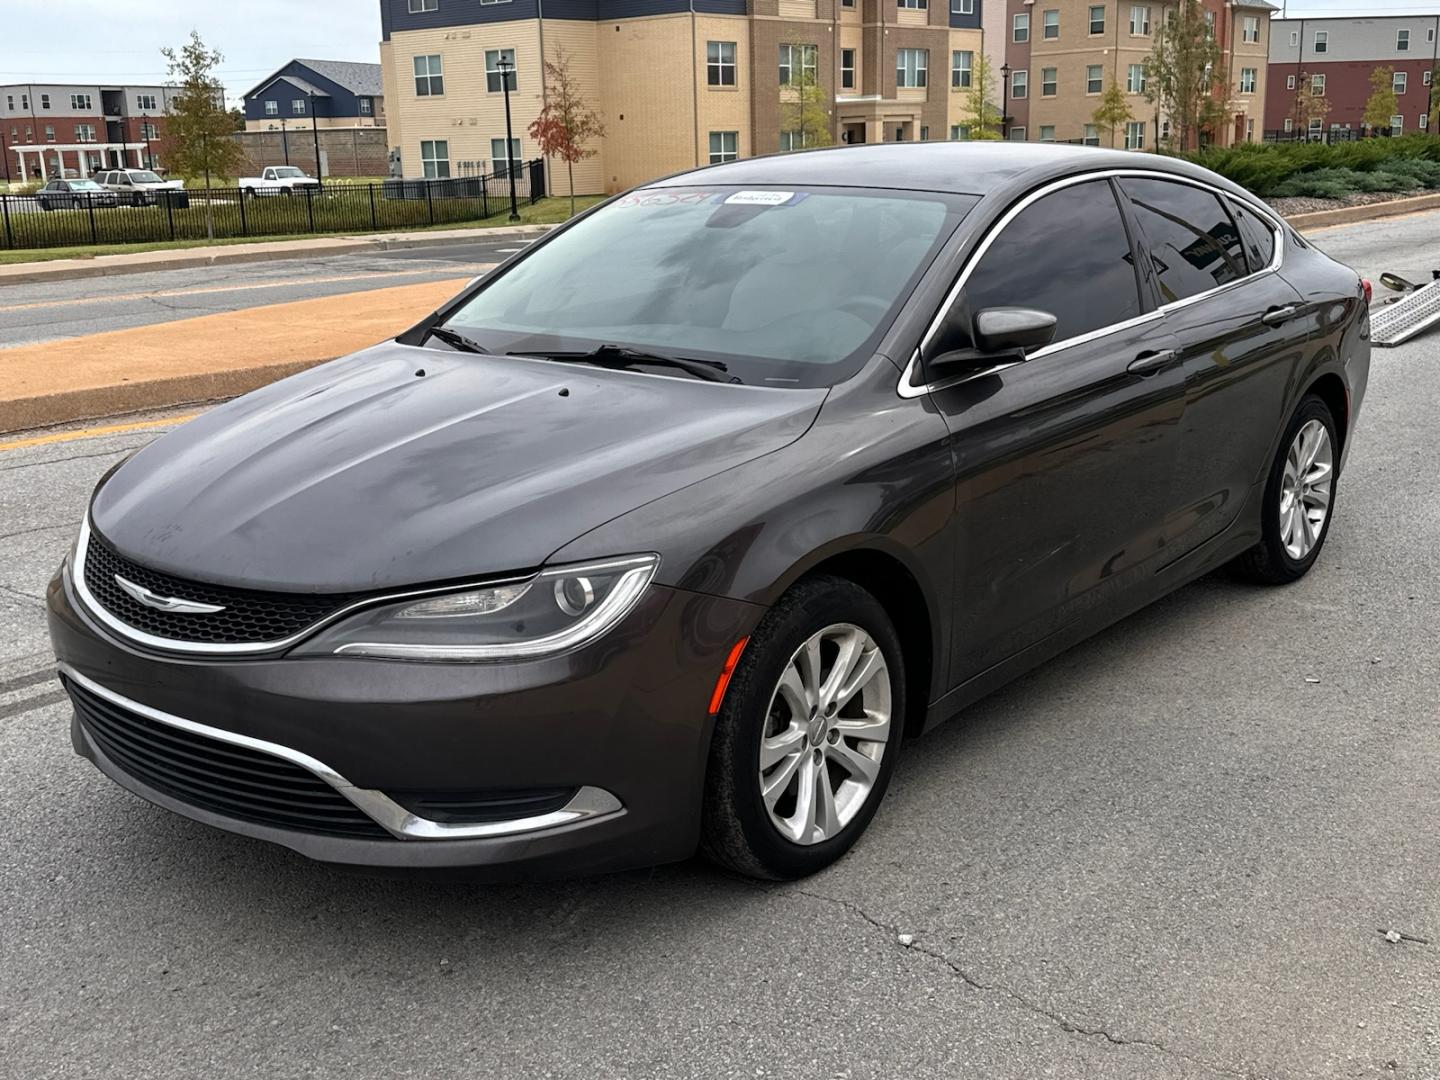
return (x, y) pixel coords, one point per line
(718, 697)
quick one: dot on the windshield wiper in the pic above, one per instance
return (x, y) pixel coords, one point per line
(619, 356)
(456, 340)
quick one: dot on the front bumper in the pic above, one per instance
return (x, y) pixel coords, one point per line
(622, 722)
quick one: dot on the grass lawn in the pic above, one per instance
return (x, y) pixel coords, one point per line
(545, 212)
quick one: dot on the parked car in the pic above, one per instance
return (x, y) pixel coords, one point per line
(74, 195)
(138, 187)
(672, 530)
(278, 180)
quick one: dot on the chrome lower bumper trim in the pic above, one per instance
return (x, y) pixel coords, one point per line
(588, 802)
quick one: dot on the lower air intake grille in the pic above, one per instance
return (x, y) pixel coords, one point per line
(232, 781)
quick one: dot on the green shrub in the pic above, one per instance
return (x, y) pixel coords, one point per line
(1273, 170)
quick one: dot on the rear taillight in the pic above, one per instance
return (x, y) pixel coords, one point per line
(1369, 289)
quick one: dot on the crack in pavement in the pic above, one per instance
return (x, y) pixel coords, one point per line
(38, 601)
(1063, 1022)
(84, 457)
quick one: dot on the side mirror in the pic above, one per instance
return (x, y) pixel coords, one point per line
(997, 336)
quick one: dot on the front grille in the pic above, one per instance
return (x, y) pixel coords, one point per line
(250, 617)
(232, 781)
(478, 807)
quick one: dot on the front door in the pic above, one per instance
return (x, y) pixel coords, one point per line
(1063, 462)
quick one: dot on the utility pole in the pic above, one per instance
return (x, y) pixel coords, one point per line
(315, 129)
(506, 67)
(285, 140)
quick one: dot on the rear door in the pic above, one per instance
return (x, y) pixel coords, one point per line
(1063, 462)
(1240, 336)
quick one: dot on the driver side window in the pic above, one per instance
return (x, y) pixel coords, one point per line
(1067, 254)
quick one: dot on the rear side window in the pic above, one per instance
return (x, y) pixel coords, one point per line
(1192, 240)
(1066, 254)
(1259, 237)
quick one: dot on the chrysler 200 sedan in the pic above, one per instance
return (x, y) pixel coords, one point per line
(668, 533)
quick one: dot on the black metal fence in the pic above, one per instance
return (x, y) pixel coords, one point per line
(47, 220)
(1326, 135)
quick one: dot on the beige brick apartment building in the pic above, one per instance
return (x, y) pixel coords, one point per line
(677, 84)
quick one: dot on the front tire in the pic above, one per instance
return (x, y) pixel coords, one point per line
(1299, 499)
(806, 740)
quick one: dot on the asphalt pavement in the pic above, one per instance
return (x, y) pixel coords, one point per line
(64, 309)
(1173, 852)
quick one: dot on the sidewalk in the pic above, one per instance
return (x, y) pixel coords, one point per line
(221, 254)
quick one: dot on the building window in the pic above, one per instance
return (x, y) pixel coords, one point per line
(847, 69)
(1317, 85)
(1249, 130)
(1135, 79)
(1047, 132)
(418, 6)
(1097, 20)
(44, 101)
(78, 102)
(720, 63)
(298, 106)
(912, 5)
(1022, 27)
(1050, 24)
(910, 65)
(146, 102)
(499, 164)
(1092, 135)
(366, 108)
(1402, 41)
(1140, 20)
(1397, 125)
(1247, 80)
(49, 132)
(10, 102)
(1048, 78)
(1020, 84)
(959, 132)
(84, 132)
(1289, 82)
(1429, 35)
(847, 3)
(1424, 122)
(962, 66)
(1094, 78)
(429, 76)
(272, 108)
(724, 146)
(1250, 31)
(25, 101)
(435, 158)
(1322, 41)
(794, 140)
(1425, 77)
(1294, 38)
(1400, 81)
(1017, 134)
(149, 131)
(798, 63)
(962, 7)
(495, 80)
(1289, 124)
(1135, 135)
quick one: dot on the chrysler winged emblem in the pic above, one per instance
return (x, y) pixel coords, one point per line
(166, 603)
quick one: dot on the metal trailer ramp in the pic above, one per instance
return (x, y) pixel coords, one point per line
(1415, 313)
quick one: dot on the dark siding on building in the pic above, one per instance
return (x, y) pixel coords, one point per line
(341, 102)
(964, 22)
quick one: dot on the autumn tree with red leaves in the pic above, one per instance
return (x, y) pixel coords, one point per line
(567, 123)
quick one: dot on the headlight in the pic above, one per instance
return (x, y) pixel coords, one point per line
(552, 612)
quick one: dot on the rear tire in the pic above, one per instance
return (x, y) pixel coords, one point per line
(829, 740)
(1299, 499)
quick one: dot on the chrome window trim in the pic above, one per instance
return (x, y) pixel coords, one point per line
(588, 802)
(93, 608)
(907, 390)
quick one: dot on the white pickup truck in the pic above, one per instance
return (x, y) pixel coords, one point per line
(277, 180)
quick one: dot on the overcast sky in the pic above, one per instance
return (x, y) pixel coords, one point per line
(119, 40)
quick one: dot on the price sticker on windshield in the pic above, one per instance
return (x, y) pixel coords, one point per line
(759, 198)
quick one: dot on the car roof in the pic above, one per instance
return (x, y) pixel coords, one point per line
(973, 168)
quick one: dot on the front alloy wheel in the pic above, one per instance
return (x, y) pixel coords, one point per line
(807, 736)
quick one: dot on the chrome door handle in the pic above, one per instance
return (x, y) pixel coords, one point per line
(1279, 316)
(1150, 362)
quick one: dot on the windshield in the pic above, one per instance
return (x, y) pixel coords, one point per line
(786, 287)
(146, 178)
(287, 173)
(84, 185)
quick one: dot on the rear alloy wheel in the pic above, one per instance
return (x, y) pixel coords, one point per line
(806, 741)
(1299, 499)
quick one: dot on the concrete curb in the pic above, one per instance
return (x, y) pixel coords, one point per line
(268, 251)
(1350, 215)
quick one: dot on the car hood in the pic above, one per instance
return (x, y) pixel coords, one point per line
(401, 465)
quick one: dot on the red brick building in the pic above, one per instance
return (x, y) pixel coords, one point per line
(1338, 56)
(54, 129)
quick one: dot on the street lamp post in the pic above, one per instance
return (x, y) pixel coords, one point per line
(315, 129)
(285, 140)
(506, 68)
(1004, 101)
(145, 131)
